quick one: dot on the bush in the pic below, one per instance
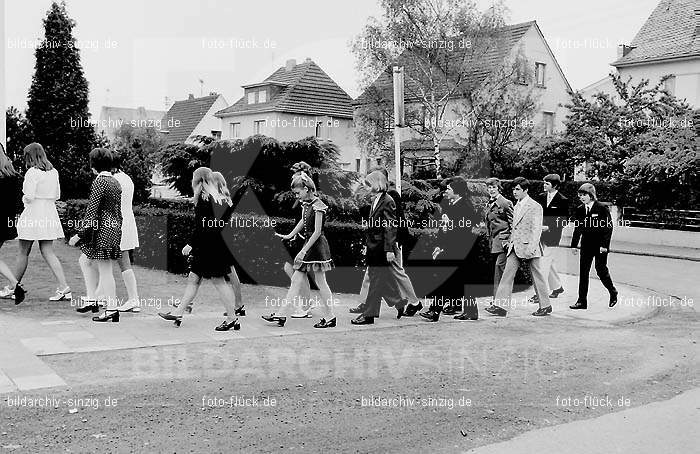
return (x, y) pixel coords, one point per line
(260, 255)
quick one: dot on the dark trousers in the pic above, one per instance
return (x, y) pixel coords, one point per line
(601, 267)
(454, 291)
(381, 285)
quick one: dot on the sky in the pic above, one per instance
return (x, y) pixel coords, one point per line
(137, 53)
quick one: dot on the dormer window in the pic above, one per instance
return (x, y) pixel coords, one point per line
(262, 96)
(251, 97)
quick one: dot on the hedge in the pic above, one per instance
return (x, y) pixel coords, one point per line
(260, 255)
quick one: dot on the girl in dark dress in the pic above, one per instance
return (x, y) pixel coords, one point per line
(314, 256)
(99, 236)
(10, 190)
(232, 278)
(205, 247)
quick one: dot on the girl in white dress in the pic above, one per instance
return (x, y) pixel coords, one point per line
(130, 238)
(39, 221)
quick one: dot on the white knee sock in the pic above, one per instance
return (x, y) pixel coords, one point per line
(130, 283)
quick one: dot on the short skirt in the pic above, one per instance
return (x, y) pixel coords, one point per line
(39, 221)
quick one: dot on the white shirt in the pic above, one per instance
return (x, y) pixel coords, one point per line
(588, 207)
(550, 196)
(376, 201)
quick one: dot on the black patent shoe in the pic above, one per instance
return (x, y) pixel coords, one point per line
(92, 307)
(579, 305)
(431, 316)
(498, 311)
(466, 316)
(168, 316)
(451, 310)
(225, 326)
(612, 303)
(556, 292)
(272, 318)
(240, 312)
(325, 324)
(543, 311)
(362, 320)
(411, 309)
(107, 317)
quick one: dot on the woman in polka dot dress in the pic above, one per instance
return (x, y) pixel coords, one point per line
(99, 237)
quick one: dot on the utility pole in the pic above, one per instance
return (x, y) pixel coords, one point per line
(398, 121)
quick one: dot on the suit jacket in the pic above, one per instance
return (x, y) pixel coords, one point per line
(527, 229)
(381, 231)
(555, 217)
(498, 217)
(594, 230)
(455, 237)
(402, 233)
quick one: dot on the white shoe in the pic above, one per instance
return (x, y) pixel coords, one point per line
(7, 293)
(130, 306)
(62, 295)
(302, 314)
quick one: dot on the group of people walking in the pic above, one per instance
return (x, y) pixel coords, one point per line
(106, 234)
(525, 232)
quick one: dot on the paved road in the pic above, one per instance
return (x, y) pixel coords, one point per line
(674, 277)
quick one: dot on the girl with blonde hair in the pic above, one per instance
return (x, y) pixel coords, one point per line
(314, 256)
(204, 250)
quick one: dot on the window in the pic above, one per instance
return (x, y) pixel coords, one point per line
(216, 135)
(539, 74)
(548, 118)
(368, 165)
(258, 126)
(319, 125)
(262, 96)
(235, 130)
(357, 165)
(379, 161)
(251, 97)
(521, 73)
(670, 85)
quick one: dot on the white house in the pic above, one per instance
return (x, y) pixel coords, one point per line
(294, 102)
(667, 44)
(524, 42)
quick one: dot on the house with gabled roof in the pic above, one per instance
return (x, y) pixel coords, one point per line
(294, 102)
(668, 44)
(193, 117)
(523, 43)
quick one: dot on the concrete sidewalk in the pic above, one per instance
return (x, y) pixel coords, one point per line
(24, 339)
(661, 427)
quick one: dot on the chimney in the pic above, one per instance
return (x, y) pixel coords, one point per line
(191, 96)
(291, 63)
(623, 50)
(213, 93)
(308, 60)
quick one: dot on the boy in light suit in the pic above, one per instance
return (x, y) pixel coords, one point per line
(524, 244)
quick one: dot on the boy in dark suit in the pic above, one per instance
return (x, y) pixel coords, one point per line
(593, 226)
(555, 210)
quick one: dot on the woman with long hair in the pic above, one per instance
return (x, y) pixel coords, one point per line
(99, 236)
(314, 256)
(204, 249)
(130, 237)
(39, 220)
(221, 186)
(9, 188)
